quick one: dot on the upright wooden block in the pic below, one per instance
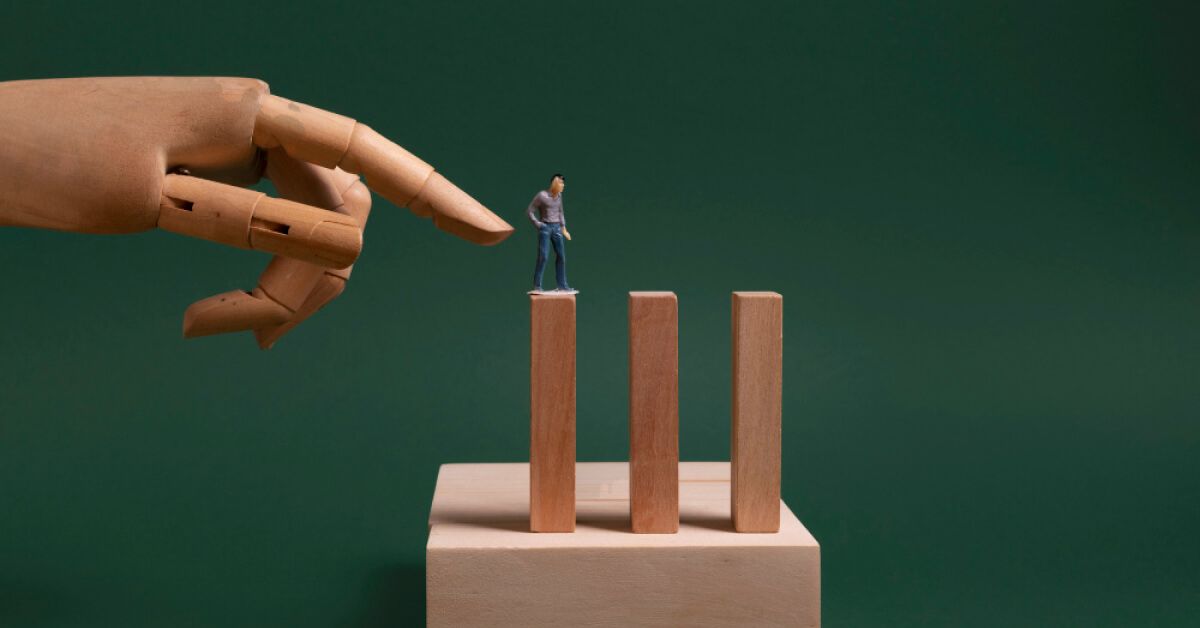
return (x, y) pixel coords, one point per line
(484, 569)
(552, 413)
(757, 410)
(654, 412)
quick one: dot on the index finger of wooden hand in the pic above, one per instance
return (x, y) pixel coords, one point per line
(332, 140)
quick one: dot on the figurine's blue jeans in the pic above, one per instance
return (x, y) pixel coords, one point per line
(551, 232)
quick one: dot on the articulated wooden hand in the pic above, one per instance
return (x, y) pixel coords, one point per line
(120, 155)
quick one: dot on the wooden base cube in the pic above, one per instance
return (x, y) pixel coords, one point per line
(485, 568)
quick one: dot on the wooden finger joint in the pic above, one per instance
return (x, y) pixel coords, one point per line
(306, 133)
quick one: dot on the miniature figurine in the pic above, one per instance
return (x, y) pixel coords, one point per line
(546, 213)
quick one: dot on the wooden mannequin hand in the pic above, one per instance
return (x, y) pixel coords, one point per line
(120, 155)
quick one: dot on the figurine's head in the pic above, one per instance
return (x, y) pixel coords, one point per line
(557, 183)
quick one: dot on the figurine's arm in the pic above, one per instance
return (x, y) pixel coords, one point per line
(532, 212)
(563, 218)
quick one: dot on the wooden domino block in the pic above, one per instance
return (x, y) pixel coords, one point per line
(654, 412)
(552, 413)
(757, 410)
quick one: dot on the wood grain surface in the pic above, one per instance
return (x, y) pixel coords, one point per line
(654, 412)
(552, 413)
(484, 568)
(757, 410)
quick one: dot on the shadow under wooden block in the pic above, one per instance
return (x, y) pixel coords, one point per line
(484, 568)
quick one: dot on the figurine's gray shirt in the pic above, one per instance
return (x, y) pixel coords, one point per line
(546, 208)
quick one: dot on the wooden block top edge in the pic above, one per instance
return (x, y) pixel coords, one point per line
(756, 295)
(652, 294)
(565, 295)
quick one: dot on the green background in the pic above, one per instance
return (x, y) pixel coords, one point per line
(983, 218)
